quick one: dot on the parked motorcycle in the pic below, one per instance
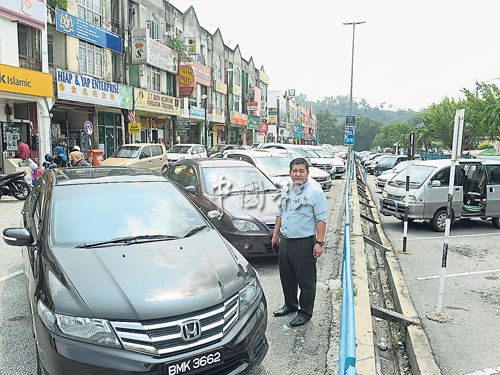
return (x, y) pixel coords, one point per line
(14, 185)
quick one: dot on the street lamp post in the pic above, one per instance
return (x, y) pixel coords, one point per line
(205, 122)
(352, 74)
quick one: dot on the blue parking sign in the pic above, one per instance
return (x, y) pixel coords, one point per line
(350, 129)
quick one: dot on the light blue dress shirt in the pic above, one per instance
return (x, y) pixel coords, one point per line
(300, 209)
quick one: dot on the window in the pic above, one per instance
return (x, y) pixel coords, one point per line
(237, 77)
(90, 59)
(50, 48)
(219, 100)
(171, 84)
(190, 178)
(116, 60)
(90, 10)
(153, 77)
(154, 27)
(218, 69)
(145, 153)
(177, 173)
(156, 150)
(28, 41)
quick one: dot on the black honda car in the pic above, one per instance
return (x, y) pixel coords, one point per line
(126, 276)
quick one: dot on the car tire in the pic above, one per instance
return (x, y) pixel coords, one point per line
(496, 222)
(438, 222)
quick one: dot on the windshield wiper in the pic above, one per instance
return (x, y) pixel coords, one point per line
(129, 240)
(194, 230)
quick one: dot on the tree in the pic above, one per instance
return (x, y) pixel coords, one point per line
(440, 119)
(327, 125)
(366, 131)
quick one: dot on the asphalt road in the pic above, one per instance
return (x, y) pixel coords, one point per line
(309, 349)
(469, 342)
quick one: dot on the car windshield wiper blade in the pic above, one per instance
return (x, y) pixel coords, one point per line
(128, 240)
(270, 190)
(194, 230)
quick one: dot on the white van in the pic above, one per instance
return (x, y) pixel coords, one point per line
(476, 192)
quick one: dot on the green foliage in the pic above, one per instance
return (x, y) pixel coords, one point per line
(61, 4)
(485, 146)
(397, 133)
(179, 46)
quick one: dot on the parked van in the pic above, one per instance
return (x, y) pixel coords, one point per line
(476, 192)
(139, 155)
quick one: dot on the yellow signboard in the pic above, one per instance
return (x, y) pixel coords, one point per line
(154, 102)
(25, 81)
(134, 127)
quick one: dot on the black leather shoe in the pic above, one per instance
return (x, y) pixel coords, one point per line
(283, 311)
(298, 321)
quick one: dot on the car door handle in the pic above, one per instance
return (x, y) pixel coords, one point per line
(492, 189)
(457, 189)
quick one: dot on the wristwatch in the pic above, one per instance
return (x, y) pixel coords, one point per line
(322, 243)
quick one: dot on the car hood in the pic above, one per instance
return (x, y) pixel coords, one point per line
(116, 162)
(176, 156)
(262, 207)
(153, 280)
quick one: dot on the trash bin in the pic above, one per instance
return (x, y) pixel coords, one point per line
(96, 157)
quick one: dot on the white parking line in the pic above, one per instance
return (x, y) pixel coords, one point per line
(457, 274)
(14, 274)
(488, 371)
(461, 236)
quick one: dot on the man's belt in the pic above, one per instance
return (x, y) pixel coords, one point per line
(295, 238)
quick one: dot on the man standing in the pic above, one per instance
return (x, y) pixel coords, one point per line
(240, 143)
(23, 150)
(301, 220)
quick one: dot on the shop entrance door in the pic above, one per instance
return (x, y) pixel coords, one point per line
(110, 141)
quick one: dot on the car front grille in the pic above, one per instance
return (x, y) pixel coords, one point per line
(163, 336)
(322, 179)
(323, 167)
(395, 197)
(393, 206)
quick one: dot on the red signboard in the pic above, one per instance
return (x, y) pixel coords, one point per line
(187, 81)
(202, 72)
(263, 127)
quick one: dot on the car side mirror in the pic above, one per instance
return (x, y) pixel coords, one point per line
(17, 237)
(191, 189)
(214, 216)
(435, 183)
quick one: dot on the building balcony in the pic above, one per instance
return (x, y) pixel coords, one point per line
(30, 63)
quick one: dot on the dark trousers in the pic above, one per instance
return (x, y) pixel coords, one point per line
(298, 270)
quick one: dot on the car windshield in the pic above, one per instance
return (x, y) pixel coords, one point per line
(127, 152)
(180, 149)
(323, 153)
(418, 174)
(387, 161)
(228, 180)
(274, 165)
(312, 154)
(127, 210)
(302, 152)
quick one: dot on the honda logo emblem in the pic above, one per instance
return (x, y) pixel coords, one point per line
(190, 329)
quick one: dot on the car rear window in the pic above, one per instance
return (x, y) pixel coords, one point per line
(128, 152)
(125, 209)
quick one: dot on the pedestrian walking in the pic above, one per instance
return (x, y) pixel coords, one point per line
(301, 224)
(60, 157)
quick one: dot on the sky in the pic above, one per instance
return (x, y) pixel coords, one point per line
(408, 54)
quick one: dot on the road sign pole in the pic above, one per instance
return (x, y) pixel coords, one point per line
(411, 151)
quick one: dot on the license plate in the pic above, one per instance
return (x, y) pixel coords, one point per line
(194, 364)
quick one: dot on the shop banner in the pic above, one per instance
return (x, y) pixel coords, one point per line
(187, 81)
(253, 123)
(236, 90)
(221, 87)
(252, 106)
(29, 12)
(239, 118)
(201, 71)
(86, 89)
(81, 29)
(154, 102)
(264, 77)
(197, 113)
(25, 81)
(148, 51)
(263, 127)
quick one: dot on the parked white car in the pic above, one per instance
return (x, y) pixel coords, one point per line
(186, 151)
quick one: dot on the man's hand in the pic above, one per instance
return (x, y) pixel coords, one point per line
(275, 240)
(317, 250)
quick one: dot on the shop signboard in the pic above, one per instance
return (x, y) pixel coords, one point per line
(297, 134)
(273, 116)
(253, 123)
(184, 124)
(187, 82)
(154, 102)
(25, 81)
(263, 77)
(88, 31)
(221, 87)
(149, 51)
(29, 12)
(252, 106)
(134, 127)
(197, 113)
(192, 46)
(263, 127)
(239, 118)
(236, 89)
(202, 72)
(86, 89)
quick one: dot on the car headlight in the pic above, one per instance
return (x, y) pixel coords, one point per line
(244, 225)
(412, 199)
(91, 330)
(384, 194)
(248, 295)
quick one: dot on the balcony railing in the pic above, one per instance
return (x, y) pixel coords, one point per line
(116, 26)
(30, 63)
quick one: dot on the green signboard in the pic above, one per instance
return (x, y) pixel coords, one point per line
(253, 123)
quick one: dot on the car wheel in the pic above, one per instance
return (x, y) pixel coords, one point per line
(438, 222)
(496, 222)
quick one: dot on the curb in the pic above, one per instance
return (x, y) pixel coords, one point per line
(419, 352)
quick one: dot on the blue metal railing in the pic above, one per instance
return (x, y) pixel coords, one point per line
(347, 347)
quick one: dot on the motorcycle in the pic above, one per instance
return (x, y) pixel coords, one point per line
(14, 185)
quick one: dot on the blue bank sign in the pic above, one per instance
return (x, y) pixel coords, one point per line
(79, 28)
(350, 129)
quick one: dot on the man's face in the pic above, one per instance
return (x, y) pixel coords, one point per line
(299, 173)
